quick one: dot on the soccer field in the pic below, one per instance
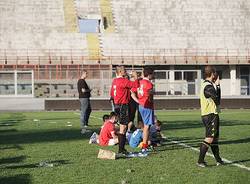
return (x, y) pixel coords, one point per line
(27, 139)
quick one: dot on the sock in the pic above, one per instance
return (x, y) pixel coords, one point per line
(216, 151)
(122, 141)
(144, 146)
(203, 150)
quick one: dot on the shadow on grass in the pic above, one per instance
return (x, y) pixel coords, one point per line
(12, 120)
(56, 163)
(44, 136)
(175, 125)
(8, 131)
(18, 179)
(193, 142)
(238, 141)
(15, 146)
(11, 160)
(239, 161)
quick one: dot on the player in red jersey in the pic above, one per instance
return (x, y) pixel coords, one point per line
(120, 91)
(146, 105)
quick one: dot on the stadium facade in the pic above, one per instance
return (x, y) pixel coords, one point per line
(44, 44)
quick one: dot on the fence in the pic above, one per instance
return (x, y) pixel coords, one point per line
(127, 57)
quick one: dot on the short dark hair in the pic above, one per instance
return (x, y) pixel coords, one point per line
(208, 71)
(112, 114)
(105, 117)
(159, 123)
(147, 71)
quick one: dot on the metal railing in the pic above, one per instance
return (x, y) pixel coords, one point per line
(124, 56)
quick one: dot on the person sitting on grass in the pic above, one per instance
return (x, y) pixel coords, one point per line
(137, 136)
(155, 134)
(107, 135)
(94, 139)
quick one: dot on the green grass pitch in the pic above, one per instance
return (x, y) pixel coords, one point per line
(24, 143)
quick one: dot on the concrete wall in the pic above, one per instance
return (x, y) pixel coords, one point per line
(180, 24)
(38, 24)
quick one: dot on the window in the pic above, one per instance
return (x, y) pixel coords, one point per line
(160, 75)
(177, 75)
(190, 76)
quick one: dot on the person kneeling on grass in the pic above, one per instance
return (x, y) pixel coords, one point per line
(107, 135)
(94, 139)
(137, 136)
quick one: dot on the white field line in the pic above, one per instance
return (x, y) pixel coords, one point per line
(197, 150)
(209, 154)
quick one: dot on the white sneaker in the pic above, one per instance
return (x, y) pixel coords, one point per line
(143, 153)
(93, 139)
(83, 131)
(85, 126)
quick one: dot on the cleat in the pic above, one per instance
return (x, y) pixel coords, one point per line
(131, 155)
(202, 164)
(219, 163)
(143, 153)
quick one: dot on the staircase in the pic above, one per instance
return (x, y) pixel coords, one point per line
(107, 16)
(70, 16)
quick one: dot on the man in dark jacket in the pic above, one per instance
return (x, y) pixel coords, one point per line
(84, 95)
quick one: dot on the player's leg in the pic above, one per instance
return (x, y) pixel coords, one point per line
(148, 119)
(145, 136)
(214, 145)
(132, 111)
(88, 112)
(84, 106)
(207, 121)
(112, 142)
(139, 118)
(122, 111)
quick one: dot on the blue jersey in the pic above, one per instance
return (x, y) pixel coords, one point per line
(136, 138)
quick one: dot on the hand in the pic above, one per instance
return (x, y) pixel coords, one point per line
(217, 82)
(134, 74)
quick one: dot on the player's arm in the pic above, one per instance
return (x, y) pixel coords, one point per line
(210, 92)
(111, 93)
(113, 134)
(85, 88)
(133, 95)
(217, 83)
(131, 84)
(79, 86)
(218, 93)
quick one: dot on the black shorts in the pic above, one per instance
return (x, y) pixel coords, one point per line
(132, 110)
(123, 113)
(211, 123)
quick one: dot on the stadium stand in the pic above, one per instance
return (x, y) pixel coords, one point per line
(55, 39)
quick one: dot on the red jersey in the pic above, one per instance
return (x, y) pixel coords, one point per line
(120, 89)
(105, 134)
(145, 93)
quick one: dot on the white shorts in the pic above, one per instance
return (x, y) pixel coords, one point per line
(111, 142)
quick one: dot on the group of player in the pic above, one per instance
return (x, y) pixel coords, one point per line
(128, 96)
